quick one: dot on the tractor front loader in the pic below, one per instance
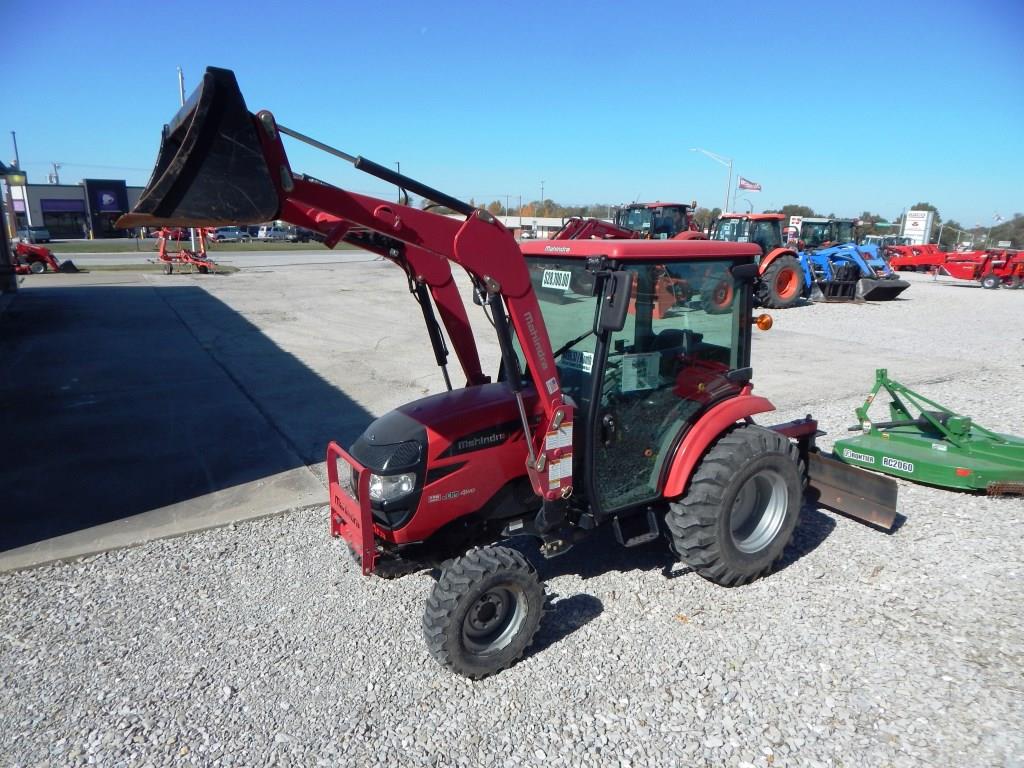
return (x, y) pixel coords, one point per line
(840, 269)
(598, 416)
(37, 259)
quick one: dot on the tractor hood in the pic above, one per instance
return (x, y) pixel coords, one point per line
(467, 420)
(211, 170)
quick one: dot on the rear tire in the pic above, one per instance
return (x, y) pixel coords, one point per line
(782, 284)
(37, 267)
(991, 282)
(741, 507)
(483, 612)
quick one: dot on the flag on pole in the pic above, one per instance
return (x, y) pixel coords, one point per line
(750, 185)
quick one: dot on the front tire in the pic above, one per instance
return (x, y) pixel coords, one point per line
(37, 267)
(783, 283)
(483, 612)
(741, 507)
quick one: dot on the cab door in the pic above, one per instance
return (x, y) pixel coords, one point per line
(661, 371)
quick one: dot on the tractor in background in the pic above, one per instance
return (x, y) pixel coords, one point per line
(636, 221)
(840, 269)
(36, 259)
(784, 278)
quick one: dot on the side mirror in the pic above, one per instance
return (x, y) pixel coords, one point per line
(618, 290)
(744, 272)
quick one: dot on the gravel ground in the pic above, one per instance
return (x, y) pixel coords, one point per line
(261, 644)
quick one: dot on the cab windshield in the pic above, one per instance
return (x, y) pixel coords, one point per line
(658, 223)
(815, 233)
(683, 334)
(766, 233)
(844, 232)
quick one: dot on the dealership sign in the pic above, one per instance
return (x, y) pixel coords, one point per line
(917, 225)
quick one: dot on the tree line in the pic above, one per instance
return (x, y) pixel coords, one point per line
(946, 232)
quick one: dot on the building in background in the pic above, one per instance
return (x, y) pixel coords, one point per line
(69, 211)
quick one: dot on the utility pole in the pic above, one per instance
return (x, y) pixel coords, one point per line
(55, 176)
(17, 160)
(542, 194)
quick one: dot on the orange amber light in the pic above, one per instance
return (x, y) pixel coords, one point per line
(764, 322)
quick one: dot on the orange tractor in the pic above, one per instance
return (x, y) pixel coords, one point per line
(782, 276)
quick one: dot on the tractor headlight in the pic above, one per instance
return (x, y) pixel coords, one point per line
(387, 488)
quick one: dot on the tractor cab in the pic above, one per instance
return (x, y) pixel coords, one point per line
(823, 232)
(684, 346)
(765, 229)
(655, 221)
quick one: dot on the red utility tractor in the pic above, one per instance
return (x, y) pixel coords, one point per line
(781, 277)
(36, 259)
(596, 417)
(639, 221)
(183, 256)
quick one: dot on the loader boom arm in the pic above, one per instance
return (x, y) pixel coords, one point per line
(220, 164)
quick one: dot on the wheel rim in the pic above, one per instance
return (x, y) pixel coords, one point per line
(494, 619)
(758, 512)
(785, 284)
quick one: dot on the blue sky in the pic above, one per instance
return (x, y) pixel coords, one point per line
(866, 106)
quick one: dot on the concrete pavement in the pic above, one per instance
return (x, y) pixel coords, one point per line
(120, 424)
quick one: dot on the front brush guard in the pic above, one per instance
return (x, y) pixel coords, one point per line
(351, 516)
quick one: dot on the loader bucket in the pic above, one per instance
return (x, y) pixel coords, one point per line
(211, 170)
(880, 289)
(67, 266)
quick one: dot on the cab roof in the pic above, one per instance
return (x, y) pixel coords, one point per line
(657, 205)
(755, 216)
(641, 250)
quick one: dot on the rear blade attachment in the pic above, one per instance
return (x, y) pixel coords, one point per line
(853, 492)
(211, 170)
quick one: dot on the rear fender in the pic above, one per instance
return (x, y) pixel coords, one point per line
(775, 255)
(712, 424)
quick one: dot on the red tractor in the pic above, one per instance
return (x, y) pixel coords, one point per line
(782, 280)
(639, 221)
(596, 417)
(36, 259)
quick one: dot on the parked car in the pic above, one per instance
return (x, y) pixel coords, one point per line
(299, 235)
(229, 235)
(34, 235)
(272, 232)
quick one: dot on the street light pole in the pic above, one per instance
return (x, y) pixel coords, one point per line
(724, 161)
